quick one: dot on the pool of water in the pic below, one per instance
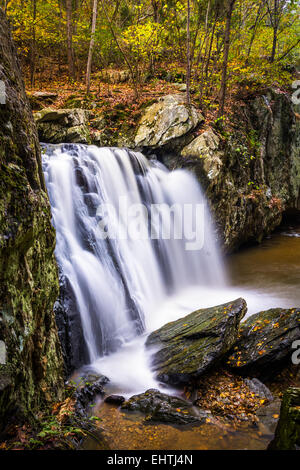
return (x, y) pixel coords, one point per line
(270, 270)
(267, 276)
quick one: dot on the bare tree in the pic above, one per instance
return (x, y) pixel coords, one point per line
(33, 45)
(275, 10)
(91, 48)
(188, 52)
(230, 7)
(70, 52)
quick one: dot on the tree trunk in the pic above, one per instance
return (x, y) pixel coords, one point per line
(188, 58)
(33, 47)
(225, 59)
(70, 39)
(92, 42)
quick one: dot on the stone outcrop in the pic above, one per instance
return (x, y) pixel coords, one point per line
(164, 408)
(287, 434)
(265, 343)
(31, 370)
(63, 126)
(251, 174)
(166, 121)
(189, 347)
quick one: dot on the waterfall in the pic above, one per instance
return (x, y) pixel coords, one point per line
(120, 282)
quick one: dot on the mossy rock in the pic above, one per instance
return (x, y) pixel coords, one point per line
(189, 347)
(31, 370)
(287, 434)
(265, 343)
(164, 408)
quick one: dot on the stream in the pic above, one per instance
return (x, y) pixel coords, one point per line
(127, 287)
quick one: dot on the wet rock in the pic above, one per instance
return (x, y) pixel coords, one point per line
(265, 343)
(190, 346)
(287, 434)
(69, 327)
(161, 407)
(260, 389)
(268, 416)
(165, 121)
(115, 399)
(63, 126)
(91, 386)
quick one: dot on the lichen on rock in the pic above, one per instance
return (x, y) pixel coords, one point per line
(187, 348)
(32, 373)
(165, 121)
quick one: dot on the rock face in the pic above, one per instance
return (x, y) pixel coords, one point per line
(31, 368)
(265, 343)
(287, 434)
(251, 174)
(69, 326)
(166, 121)
(63, 126)
(189, 347)
(161, 407)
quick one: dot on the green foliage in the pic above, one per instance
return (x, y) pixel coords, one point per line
(150, 35)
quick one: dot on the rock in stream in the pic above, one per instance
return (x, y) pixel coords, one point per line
(190, 346)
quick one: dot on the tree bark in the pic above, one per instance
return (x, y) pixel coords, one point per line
(230, 7)
(188, 51)
(33, 46)
(92, 42)
(70, 51)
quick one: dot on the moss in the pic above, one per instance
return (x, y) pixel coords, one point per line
(32, 375)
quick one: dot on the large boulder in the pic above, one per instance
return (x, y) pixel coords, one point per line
(265, 343)
(31, 370)
(164, 408)
(58, 126)
(287, 434)
(166, 121)
(205, 149)
(189, 347)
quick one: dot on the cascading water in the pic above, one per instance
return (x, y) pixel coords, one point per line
(121, 282)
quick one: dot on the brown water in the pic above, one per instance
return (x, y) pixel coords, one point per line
(127, 431)
(270, 271)
(269, 276)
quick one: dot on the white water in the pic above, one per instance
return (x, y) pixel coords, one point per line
(126, 288)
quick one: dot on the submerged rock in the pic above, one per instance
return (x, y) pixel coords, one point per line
(115, 399)
(164, 408)
(265, 342)
(168, 119)
(63, 126)
(190, 346)
(287, 434)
